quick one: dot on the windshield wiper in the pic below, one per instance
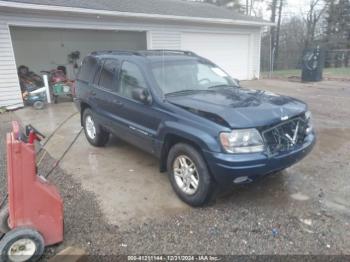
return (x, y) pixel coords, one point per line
(185, 91)
(219, 86)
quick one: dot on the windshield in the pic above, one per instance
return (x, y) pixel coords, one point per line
(190, 75)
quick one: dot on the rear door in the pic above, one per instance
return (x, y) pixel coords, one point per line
(84, 80)
(105, 87)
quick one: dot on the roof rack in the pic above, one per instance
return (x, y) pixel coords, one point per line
(185, 52)
(144, 52)
(115, 52)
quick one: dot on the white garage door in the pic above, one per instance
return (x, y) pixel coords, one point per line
(230, 52)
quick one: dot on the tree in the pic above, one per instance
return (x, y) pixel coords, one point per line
(313, 16)
(248, 7)
(251, 9)
(276, 7)
(278, 29)
(337, 32)
(231, 4)
(291, 44)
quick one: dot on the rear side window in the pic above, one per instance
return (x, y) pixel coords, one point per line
(109, 75)
(88, 69)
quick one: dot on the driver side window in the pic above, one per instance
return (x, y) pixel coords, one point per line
(130, 78)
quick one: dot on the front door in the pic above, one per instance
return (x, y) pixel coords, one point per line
(138, 122)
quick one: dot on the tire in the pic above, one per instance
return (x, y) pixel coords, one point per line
(38, 105)
(21, 238)
(4, 218)
(96, 135)
(196, 195)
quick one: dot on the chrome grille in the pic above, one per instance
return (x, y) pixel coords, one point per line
(285, 136)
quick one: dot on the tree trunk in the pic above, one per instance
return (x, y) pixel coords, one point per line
(278, 34)
(273, 32)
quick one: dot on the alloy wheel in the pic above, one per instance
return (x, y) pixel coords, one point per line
(90, 127)
(186, 174)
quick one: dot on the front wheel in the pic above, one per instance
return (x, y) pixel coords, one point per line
(94, 132)
(22, 244)
(189, 175)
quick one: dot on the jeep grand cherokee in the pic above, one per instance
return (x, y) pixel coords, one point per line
(207, 131)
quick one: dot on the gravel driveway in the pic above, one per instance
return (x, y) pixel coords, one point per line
(303, 210)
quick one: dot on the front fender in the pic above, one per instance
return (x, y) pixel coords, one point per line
(204, 139)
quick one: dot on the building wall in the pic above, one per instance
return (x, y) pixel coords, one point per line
(164, 40)
(10, 95)
(160, 35)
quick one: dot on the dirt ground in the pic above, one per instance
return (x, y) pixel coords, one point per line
(117, 202)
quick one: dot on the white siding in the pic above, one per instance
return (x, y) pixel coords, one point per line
(10, 94)
(164, 40)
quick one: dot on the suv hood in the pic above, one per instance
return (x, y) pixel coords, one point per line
(240, 108)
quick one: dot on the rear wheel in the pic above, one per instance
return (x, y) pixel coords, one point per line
(94, 132)
(22, 244)
(189, 175)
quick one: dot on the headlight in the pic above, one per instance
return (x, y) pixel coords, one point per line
(308, 117)
(242, 141)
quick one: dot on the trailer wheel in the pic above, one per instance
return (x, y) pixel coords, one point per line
(21, 244)
(4, 219)
(38, 105)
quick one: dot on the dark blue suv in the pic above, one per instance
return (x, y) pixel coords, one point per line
(207, 131)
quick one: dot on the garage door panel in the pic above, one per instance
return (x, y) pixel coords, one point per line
(231, 52)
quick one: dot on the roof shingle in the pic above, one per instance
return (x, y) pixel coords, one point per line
(160, 7)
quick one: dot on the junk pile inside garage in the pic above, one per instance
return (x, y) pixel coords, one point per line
(48, 59)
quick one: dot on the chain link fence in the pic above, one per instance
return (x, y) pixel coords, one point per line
(287, 63)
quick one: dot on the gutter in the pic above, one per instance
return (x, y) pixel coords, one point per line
(36, 7)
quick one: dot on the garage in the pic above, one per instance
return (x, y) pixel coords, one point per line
(46, 49)
(42, 35)
(228, 51)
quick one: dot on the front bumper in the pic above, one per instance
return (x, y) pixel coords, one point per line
(227, 167)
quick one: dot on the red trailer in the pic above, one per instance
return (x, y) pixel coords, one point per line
(33, 217)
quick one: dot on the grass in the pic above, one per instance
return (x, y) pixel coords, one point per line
(343, 72)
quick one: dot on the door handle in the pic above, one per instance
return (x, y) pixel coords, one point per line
(93, 93)
(117, 102)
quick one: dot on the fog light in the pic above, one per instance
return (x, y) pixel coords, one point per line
(241, 179)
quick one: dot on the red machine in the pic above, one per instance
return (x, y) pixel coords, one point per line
(34, 214)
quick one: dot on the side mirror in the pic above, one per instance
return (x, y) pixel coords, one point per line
(141, 94)
(236, 81)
